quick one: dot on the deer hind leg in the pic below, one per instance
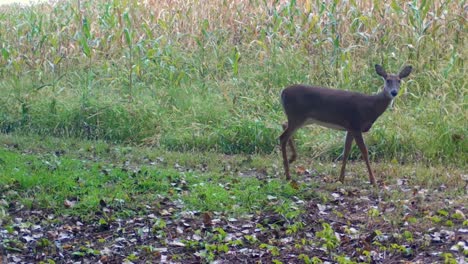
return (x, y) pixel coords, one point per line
(293, 150)
(285, 138)
(365, 155)
(347, 149)
(292, 145)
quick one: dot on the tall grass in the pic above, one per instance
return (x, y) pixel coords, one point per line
(206, 75)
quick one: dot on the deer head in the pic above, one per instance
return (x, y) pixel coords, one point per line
(392, 81)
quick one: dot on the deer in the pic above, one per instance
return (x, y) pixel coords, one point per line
(348, 111)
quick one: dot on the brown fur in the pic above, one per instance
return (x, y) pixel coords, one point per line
(338, 109)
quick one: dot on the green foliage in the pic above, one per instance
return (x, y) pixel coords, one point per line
(215, 195)
(442, 212)
(131, 258)
(373, 213)
(457, 216)
(308, 260)
(408, 236)
(118, 72)
(449, 223)
(210, 205)
(406, 251)
(344, 260)
(295, 227)
(328, 237)
(48, 181)
(274, 251)
(448, 258)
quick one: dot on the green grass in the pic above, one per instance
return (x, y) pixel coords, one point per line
(124, 72)
(46, 178)
(44, 172)
(159, 123)
(46, 181)
(116, 191)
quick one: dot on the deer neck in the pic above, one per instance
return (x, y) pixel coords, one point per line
(381, 103)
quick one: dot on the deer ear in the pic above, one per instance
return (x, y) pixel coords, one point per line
(405, 72)
(380, 71)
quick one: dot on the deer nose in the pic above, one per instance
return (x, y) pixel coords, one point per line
(394, 93)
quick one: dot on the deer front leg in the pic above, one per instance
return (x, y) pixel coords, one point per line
(347, 148)
(365, 156)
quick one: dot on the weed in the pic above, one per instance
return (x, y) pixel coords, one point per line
(129, 73)
(329, 239)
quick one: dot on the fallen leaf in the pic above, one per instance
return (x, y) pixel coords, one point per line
(69, 204)
(165, 212)
(460, 213)
(271, 197)
(177, 244)
(300, 170)
(207, 219)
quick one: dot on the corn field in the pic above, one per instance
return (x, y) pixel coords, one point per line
(206, 75)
